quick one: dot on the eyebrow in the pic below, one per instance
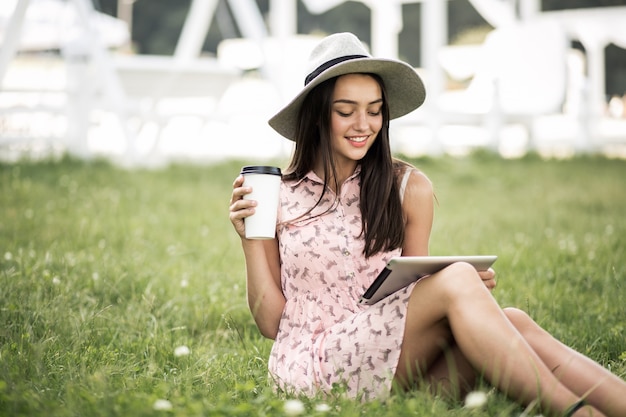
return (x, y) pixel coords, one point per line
(346, 101)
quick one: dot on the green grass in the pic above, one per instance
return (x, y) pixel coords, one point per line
(105, 271)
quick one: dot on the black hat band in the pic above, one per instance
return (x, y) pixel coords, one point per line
(329, 64)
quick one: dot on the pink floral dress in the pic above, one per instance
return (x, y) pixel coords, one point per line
(325, 336)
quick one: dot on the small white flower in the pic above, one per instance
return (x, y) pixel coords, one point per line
(181, 351)
(56, 281)
(293, 407)
(322, 408)
(8, 256)
(162, 405)
(184, 283)
(475, 399)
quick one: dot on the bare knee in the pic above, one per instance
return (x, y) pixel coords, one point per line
(521, 321)
(462, 268)
(460, 273)
(459, 279)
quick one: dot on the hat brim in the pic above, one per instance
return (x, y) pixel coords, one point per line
(405, 90)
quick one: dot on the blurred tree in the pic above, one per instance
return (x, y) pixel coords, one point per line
(578, 4)
(351, 16)
(157, 25)
(615, 62)
(462, 17)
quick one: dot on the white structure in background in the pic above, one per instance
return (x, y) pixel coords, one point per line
(98, 102)
(529, 89)
(28, 97)
(519, 76)
(595, 29)
(525, 86)
(531, 86)
(52, 23)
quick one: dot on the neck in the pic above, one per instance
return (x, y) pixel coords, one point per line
(343, 172)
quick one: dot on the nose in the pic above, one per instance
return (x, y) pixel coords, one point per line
(360, 122)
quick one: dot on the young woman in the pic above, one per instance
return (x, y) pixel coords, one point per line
(346, 207)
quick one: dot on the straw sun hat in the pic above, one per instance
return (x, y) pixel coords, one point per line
(343, 53)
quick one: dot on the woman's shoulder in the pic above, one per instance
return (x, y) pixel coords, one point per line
(411, 175)
(415, 184)
(418, 177)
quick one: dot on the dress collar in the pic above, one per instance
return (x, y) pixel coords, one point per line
(313, 177)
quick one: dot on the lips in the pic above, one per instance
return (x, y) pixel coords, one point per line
(357, 140)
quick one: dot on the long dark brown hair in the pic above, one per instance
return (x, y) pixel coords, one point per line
(382, 222)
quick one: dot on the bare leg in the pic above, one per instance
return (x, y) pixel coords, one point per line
(455, 304)
(452, 374)
(578, 373)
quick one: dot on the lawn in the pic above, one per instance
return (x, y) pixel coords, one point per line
(122, 292)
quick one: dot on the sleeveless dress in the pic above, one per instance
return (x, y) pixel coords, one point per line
(325, 336)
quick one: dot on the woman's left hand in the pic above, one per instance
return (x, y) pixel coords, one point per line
(489, 278)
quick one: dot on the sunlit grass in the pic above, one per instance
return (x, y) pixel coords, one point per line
(106, 273)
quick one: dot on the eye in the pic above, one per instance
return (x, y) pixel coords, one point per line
(375, 110)
(342, 114)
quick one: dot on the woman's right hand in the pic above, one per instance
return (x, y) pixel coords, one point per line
(240, 208)
(265, 297)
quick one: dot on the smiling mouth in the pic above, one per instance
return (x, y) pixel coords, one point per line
(357, 139)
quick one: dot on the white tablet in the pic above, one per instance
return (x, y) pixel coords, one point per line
(403, 270)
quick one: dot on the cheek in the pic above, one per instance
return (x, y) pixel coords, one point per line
(338, 126)
(377, 124)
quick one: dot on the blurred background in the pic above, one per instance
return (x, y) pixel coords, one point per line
(147, 82)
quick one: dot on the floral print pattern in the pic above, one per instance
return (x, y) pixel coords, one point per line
(325, 336)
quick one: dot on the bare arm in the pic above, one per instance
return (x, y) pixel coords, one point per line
(418, 208)
(265, 297)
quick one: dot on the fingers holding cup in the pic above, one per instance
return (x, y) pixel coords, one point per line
(240, 207)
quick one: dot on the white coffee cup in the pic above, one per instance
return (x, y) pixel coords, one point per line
(265, 183)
